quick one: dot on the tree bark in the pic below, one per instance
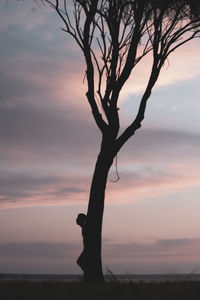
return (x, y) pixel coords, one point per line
(93, 272)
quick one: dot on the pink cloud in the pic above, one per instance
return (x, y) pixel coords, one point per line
(25, 190)
(56, 189)
(152, 185)
(183, 64)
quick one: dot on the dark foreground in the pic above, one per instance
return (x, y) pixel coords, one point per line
(26, 290)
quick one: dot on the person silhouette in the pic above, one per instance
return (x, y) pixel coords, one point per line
(81, 220)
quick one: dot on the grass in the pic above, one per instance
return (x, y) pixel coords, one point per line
(26, 290)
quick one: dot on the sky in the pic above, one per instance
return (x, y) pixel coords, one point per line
(49, 143)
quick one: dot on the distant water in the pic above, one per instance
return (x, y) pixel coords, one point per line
(111, 277)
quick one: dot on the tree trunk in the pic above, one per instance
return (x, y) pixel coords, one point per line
(93, 272)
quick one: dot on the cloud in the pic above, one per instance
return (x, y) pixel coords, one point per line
(35, 188)
(176, 69)
(160, 248)
(39, 257)
(38, 250)
(148, 184)
(38, 134)
(154, 144)
(46, 125)
(33, 129)
(32, 138)
(28, 189)
(161, 256)
(35, 126)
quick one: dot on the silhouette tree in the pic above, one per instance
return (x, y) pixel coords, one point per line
(114, 37)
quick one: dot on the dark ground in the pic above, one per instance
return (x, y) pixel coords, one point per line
(48, 290)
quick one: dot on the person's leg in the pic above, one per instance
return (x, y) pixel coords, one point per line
(81, 261)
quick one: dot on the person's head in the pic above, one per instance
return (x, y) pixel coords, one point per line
(81, 219)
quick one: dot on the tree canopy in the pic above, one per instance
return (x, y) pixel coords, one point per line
(114, 36)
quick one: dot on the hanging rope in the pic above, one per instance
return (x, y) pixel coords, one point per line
(116, 170)
(84, 77)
